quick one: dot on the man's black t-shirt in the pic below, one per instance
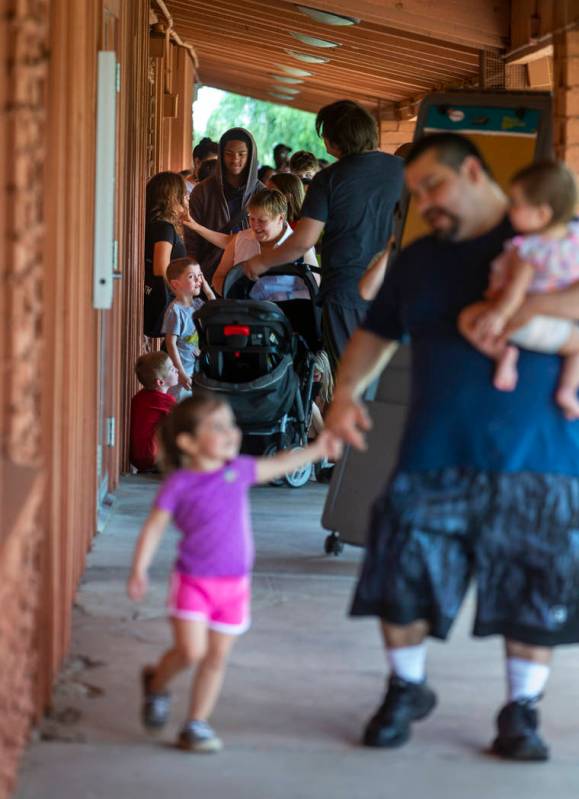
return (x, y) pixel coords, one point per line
(355, 199)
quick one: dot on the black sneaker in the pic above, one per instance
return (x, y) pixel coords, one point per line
(518, 737)
(404, 703)
(198, 736)
(155, 712)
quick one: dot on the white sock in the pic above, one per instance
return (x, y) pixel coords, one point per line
(408, 662)
(526, 679)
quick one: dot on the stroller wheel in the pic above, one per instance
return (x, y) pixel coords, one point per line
(301, 476)
(269, 452)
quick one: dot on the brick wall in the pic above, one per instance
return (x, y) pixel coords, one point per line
(395, 132)
(23, 49)
(566, 89)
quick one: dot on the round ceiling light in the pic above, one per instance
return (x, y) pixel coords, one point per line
(327, 18)
(313, 41)
(286, 89)
(307, 58)
(287, 79)
(298, 73)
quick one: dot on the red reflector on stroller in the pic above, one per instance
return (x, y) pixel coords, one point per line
(236, 330)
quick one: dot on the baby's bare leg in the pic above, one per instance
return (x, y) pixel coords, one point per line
(566, 395)
(506, 374)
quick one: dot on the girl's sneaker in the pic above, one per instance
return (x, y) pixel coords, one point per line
(155, 713)
(198, 736)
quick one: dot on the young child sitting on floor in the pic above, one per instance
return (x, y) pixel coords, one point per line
(206, 494)
(156, 373)
(544, 257)
(186, 281)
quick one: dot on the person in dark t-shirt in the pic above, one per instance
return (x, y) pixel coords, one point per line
(352, 202)
(156, 373)
(486, 484)
(165, 207)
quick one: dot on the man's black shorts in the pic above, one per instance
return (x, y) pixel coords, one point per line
(516, 534)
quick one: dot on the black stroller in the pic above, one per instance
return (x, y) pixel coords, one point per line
(251, 354)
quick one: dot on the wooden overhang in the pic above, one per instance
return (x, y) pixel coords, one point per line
(400, 50)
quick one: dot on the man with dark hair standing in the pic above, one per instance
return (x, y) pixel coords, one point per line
(353, 202)
(281, 157)
(486, 482)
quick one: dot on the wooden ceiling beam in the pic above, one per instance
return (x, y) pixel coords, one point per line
(359, 85)
(394, 65)
(190, 12)
(474, 23)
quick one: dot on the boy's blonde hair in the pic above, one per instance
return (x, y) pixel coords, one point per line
(150, 367)
(177, 267)
(271, 201)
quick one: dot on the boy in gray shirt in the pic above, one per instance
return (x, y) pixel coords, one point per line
(186, 281)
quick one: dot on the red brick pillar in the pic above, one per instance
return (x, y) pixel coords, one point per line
(394, 132)
(566, 89)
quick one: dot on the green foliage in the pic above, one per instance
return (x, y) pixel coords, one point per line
(269, 123)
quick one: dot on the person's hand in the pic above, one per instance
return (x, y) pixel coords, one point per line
(326, 445)
(206, 288)
(348, 420)
(489, 325)
(187, 219)
(137, 586)
(185, 381)
(254, 267)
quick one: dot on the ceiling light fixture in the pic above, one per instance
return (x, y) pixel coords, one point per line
(297, 73)
(287, 79)
(313, 41)
(286, 89)
(307, 58)
(327, 18)
(281, 96)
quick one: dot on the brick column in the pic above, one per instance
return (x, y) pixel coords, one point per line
(394, 132)
(566, 106)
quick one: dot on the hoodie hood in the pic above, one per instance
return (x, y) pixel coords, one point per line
(251, 181)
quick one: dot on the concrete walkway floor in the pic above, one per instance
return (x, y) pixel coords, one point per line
(300, 685)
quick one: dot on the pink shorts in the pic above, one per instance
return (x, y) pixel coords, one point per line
(223, 602)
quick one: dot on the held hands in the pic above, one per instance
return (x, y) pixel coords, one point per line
(137, 586)
(347, 420)
(326, 445)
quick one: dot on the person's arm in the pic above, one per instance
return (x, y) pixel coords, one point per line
(370, 282)
(505, 303)
(207, 290)
(147, 545)
(220, 240)
(306, 234)
(364, 358)
(225, 264)
(563, 304)
(289, 460)
(171, 344)
(161, 257)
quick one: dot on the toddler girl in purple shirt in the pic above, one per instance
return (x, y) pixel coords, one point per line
(206, 494)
